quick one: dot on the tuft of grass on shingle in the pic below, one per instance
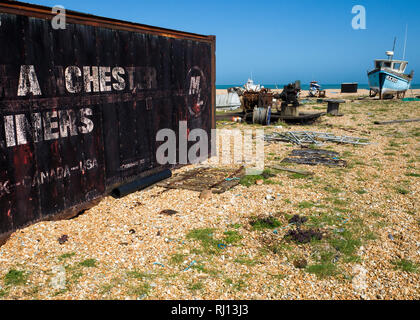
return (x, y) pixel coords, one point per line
(140, 290)
(333, 190)
(177, 258)
(3, 293)
(232, 237)
(296, 176)
(405, 265)
(248, 181)
(265, 223)
(306, 205)
(414, 175)
(66, 256)
(203, 269)
(245, 261)
(402, 190)
(89, 263)
(339, 202)
(138, 275)
(278, 276)
(323, 269)
(15, 278)
(239, 285)
(205, 236)
(196, 286)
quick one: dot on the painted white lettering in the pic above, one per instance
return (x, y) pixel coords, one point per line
(116, 74)
(9, 128)
(91, 77)
(22, 129)
(28, 82)
(4, 187)
(73, 76)
(105, 79)
(37, 127)
(88, 124)
(50, 125)
(67, 123)
(195, 85)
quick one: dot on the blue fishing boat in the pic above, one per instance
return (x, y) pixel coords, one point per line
(389, 78)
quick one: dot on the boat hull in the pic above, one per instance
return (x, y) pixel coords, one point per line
(385, 82)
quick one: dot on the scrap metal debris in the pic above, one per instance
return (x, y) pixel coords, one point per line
(290, 95)
(298, 220)
(303, 236)
(316, 138)
(63, 239)
(261, 99)
(204, 179)
(300, 263)
(314, 157)
(168, 212)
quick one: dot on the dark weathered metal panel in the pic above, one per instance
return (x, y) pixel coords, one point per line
(80, 108)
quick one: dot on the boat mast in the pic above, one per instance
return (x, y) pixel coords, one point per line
(405, 41)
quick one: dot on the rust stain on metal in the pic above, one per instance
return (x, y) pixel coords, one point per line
(80, 107)
(260, 99)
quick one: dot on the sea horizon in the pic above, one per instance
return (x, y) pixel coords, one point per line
(303, 86)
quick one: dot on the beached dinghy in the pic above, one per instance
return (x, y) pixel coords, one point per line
(388, 77)
(314, 89)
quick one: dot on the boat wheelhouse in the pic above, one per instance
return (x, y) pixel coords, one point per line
(389, 78)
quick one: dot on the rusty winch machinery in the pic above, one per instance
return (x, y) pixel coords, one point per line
(289, 97)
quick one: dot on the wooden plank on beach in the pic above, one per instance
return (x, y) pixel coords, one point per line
(305, 173)
(397, 121)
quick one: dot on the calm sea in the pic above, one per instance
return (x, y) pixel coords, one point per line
(306, 86)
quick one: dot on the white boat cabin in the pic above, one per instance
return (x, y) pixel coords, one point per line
(395, 65)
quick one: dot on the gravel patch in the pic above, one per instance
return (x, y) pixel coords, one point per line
(174, 244)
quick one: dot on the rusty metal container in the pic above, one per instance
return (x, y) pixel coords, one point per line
(349, 87)
(80, 107)
(261, 99)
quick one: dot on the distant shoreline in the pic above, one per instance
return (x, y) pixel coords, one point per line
(304, 86)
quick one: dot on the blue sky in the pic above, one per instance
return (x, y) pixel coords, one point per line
(280, 41)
